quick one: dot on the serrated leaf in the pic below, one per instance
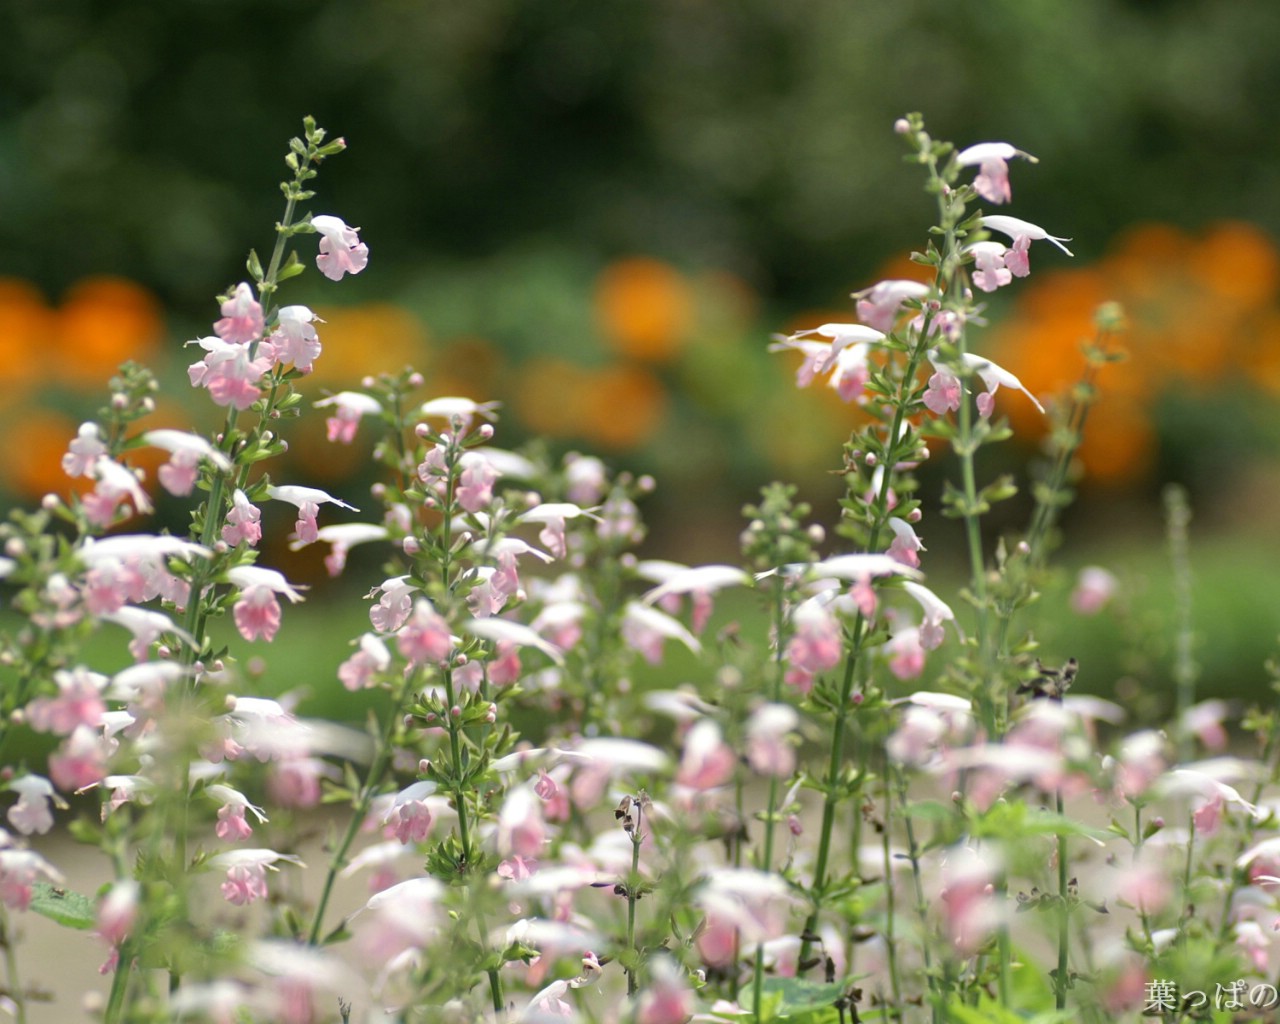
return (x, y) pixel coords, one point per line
(63, 906)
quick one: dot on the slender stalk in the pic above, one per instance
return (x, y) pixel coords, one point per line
(12, 979)
(922, 908)
(1178, 517)
(372, 783)
(1064, 916)
(890, 941)
(637, 837)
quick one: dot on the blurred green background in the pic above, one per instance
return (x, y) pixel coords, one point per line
(598, 212)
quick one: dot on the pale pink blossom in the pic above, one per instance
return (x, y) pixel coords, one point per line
(969, 907)
(1023, 233)
(943, 393)
(19, 871)
(409, 817)
(294, 781)
(906, 544)
(79, 702)
(708, 762)
(585, 479)
(991, 159)
(552, 516)
(990, 263)
(241, 320)
(85, 449)
(522, 829)
(1140, 763)
(232, 824)
(425, 636)
(118, 911)
(769, 747)
(242, 525)
(33, 813)
(114, 483)
(905, 652)
(993, 377)
(341, 251)
(878, 307)
(645, 630)
(916, 739)
(293, 340)
(256, 611)
(229, 373)
(669, 998)
(1095, 587)
(1205, 722)
(936, 612)
(359, 671)
(349, 407)
(307, 500)
(80, 760)
(246, 879)
(394, 604)
(475, 482)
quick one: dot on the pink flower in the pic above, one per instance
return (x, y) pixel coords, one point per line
(241, 317)
(991, 270)
(993, 376)
(425, 637)
(307, 500)
(228, 372)
(34, 810)
(943, 393)
(341, 251)
(1023, 234)
(769, 749)
(879, 306)
(394, 606)
(521, 828)
(246, 879)
(83, 451)
(668, 999)
(80, 761)
(409, 818)
(257, 614)
(585, 478)
(906, 655)
(294, 340)
(358, 672)
(992, 182)
(1094, 588)
(708, 761)
(232, 824)
(968, 901)
(817, 644)
(475, 484)
(905, 543)
(118, 911)
(645, 629)
(242, 522)
(79, 702)
(936, 612)
(349, 408)
(505, 668)
(19, 871)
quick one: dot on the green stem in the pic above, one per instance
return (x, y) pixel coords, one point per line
(633, 881)
(922, 907)
(890, 942)
(372, 783)
(1064, 917)
(14, 983)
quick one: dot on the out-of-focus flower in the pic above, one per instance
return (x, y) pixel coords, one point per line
(878, 307)
(1094, 589)
(341, 251)
(349, 408)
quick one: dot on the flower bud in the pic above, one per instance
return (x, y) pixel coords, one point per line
(49, 502)
(485, 432)
(416, 380)
(410, 546)
(901, 126)
(915, 515)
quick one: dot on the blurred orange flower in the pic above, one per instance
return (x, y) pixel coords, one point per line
(1197, 308)
(644, 308)
(104, 321)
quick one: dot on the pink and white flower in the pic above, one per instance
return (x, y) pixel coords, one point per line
(991, 159)
(878, 307)
(294, 340)
(308, 501)
(349, 407)
(178, 475)
(241, 321)
(341, 251)
(84, 450)
(1023, 234)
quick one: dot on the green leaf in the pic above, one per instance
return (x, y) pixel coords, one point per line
(64, 907)
(292, 267)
